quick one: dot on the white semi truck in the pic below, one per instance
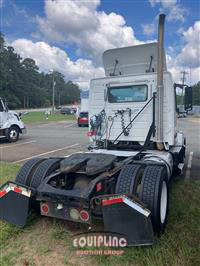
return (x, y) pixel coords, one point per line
(11, 124)
(135, 150)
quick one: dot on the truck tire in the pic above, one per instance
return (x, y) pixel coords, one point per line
(13, 134)
(25, 174)
(43, 170)
(154, 193)
(129, 179)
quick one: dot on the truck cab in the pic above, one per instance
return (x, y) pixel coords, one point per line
(129, 90)
(11, 124)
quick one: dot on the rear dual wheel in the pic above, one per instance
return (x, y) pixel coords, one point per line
(35, 170)
(26, 172)
(45, 169)
(150, 186)
(154, 193)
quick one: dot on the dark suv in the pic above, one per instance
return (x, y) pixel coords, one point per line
(65, 111)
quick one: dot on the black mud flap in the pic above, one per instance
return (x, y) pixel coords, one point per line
(14, 203)
(129, 219)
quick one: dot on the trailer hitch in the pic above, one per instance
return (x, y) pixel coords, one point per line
(14, 203)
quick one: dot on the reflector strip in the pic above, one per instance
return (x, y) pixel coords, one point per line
(133, 204)
(2, 193)
(137, 207)
(18, 190)
(12, 187)
(112, 201)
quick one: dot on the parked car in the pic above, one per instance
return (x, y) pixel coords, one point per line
(73, 110)
(83, 119)
(65, 111)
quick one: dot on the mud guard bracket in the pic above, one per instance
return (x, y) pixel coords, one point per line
(14, 203)
(128, 218)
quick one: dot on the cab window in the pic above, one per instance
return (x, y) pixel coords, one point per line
(130, 93)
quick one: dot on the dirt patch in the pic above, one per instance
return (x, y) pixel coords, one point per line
(46, 242)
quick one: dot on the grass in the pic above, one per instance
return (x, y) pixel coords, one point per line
(48, 239)
(40, 117)
(180, 245)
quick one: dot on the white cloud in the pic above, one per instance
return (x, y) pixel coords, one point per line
(189, 57)
(175, 11)
(190, 53)
(1, 3)
(149, 29)
(50, 57)
(80, 23)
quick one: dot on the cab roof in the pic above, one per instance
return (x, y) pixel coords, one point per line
(132, 60)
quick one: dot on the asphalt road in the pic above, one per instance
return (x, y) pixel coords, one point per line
(65, 137)
(46, 140)
(191, 128)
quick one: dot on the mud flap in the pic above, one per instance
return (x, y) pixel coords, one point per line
(14, 203)
(129, 219)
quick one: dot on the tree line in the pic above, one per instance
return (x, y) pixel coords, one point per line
(195, 95)
(24, 86)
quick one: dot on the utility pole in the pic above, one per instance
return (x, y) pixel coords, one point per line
(53, 90)
(53, 93)
(183, 73)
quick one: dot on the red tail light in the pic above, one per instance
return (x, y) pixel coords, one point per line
(84, 215)
(44, 208)
(99, 186)
(91, 133)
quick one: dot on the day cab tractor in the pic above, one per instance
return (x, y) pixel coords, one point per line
(135, 150)
(11, 125)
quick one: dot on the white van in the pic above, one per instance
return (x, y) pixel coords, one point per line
(11, 124)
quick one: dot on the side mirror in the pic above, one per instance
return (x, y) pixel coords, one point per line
(188, 99)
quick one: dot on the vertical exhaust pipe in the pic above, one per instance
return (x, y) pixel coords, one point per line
(160, 87)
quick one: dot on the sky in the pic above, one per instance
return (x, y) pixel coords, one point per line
(70, 36)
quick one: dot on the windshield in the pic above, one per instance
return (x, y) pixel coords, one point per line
(130, 93)
(82, 115)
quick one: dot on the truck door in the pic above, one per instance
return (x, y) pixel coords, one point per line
(3, 114)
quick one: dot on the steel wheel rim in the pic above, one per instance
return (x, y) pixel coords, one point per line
(13, 134)
(163, 202)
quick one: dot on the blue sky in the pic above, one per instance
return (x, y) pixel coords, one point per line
(70, 36)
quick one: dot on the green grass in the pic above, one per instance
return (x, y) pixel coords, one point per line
(8, 171)
(40, 117)
(179, 246)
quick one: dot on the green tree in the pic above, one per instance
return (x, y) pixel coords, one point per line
(23, 85)
(196, 94)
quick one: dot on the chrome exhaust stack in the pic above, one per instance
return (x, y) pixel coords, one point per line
(160, 86)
